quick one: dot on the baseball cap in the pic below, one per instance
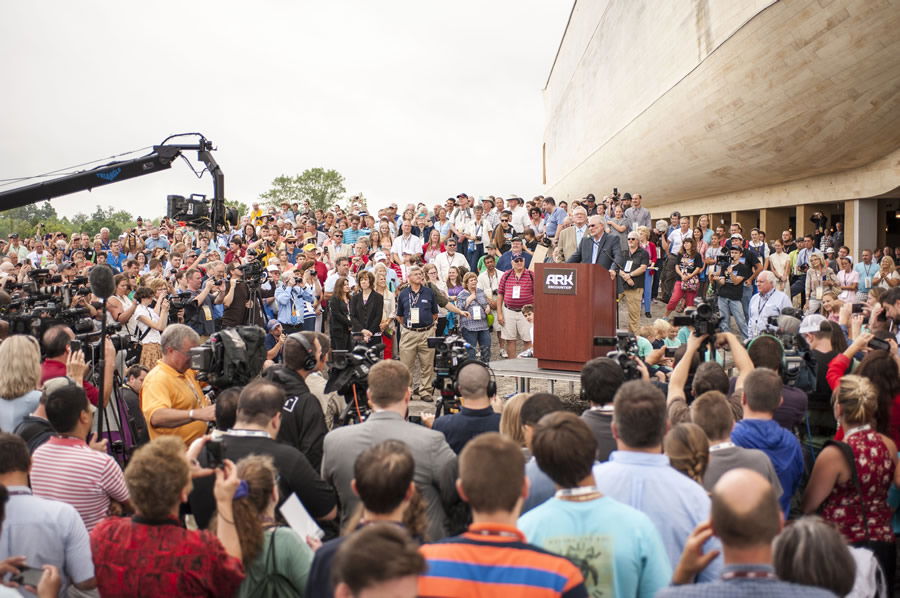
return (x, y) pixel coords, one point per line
(379, 255)
(13, 235)
(589, 197)
(737, 236)
(626, 195)
(811, 323)
(829, 250)
(272, 325)
(516, 238)
(518, 258)
(309, 247)
(273, 268)
(65, 388)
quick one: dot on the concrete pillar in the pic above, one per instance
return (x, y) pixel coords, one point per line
(748, 219)
(773, 221)
(860, 225)
(804, 226)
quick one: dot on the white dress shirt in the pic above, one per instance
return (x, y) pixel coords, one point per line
(763, 306)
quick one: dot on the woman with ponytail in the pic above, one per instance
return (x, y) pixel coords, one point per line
(687, 447)
(853, 496)
(276, 559)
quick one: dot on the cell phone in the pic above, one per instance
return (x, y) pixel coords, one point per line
(670, 351)
(858, 308)
(29, 576)
(74, 345)
(878, 344)
(216, 452)
(415, 419)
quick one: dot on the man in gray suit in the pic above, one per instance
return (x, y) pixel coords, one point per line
(598, 248)
(570, 238)
(435, 475)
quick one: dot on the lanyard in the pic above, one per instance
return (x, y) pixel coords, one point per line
(762, 307)
(720, 446)
(577, 493)
(748, 575)
(248, 433)
(853, 431)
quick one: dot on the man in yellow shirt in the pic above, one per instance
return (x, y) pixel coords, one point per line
(171, 398)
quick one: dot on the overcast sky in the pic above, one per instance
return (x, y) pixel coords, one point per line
(409, 100)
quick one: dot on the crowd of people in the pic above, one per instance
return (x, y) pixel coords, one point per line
(754, 455)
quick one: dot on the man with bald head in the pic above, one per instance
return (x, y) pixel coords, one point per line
(476, 389)
(598, 247)
(746, 517)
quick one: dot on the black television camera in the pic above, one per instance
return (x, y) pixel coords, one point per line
(449, 353)
(253, 273)
(231, 357)
(197, 211)
(625, 353)
(349, 377)
(705, 319)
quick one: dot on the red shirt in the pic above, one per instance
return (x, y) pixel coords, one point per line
(136, 558)
(51, 368)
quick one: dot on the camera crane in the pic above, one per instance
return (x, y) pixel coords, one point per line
(202, 213)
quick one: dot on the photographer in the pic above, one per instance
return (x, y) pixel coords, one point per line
(171, 398)
(131, 396)
(291, 298)
(303, 422)
(150, 324)
(199, 312)
(58, 351)
(236, 297)
(731, 290)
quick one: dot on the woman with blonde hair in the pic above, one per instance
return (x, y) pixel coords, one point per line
(20, 376)
(887, 276)
(687, 447)
(511, 420)
(850, 480)
(268, 550)
(819, 279)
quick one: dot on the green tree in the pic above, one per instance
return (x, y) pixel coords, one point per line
(321, 188)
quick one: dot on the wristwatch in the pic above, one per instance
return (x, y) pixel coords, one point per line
(191, 414)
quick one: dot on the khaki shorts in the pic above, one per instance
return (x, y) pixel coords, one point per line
(515, 326)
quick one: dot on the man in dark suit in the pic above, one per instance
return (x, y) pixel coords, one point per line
(435, 470)
(598, 248)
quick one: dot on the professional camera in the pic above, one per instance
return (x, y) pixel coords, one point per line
(705, 319)
(196, 211)
(625, 353)
(231, 357)
(349, 377)
(179, 301)
(254, 273)
(449, 353)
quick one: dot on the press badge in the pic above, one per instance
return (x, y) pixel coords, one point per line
(628, 266)
(517, 292)
(414, 315)
(819, 293)
(207, 312)
(868, 282)
(476, 312)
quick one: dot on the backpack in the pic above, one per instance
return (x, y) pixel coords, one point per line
(274, 584)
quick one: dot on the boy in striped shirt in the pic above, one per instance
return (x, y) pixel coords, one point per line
(65, 468)
(492, 558)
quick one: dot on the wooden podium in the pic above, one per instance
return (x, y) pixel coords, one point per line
(573, 303)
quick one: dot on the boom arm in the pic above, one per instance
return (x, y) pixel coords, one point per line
(160, 158)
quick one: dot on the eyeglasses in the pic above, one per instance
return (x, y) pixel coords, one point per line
(632, 238)
(504, 221)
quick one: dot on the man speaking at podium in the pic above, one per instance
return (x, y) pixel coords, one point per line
(598, 248)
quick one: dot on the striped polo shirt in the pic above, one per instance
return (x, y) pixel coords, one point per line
(67, 470)
(494, 560)
(509, 281)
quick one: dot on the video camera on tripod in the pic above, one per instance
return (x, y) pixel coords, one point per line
(349, 377)
(450, 352)
(625, 353)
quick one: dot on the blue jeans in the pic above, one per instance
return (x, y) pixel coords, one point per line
(648, 287)
(745, 300)
(473, 254)
(478, 337)
(729, 308)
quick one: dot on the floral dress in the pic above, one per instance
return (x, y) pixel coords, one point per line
(844, 506)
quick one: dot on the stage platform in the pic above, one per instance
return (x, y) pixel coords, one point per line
(526, 369)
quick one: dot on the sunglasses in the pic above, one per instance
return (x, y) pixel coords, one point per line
(518, 259)
(504, 221)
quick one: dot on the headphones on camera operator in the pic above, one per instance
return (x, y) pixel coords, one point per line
(310, 361)
(490, 389)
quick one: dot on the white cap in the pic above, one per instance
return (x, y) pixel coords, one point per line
(811, 323)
